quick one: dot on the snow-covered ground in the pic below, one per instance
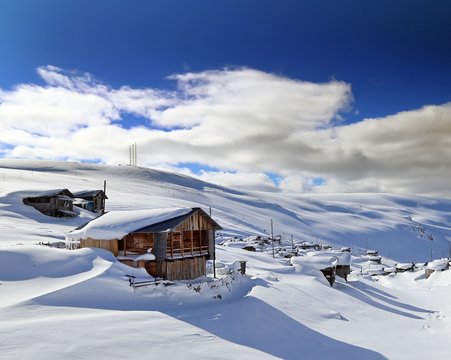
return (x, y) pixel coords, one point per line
(73, 304)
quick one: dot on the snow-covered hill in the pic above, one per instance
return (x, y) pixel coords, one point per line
(63, 304)
(401, 227)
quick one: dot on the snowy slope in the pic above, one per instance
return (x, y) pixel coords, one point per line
(61, 304)
(399, 226)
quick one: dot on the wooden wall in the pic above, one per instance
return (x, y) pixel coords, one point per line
(183, 269)
(136, 243)
(195, 222)
(99, 202)
(49, 205)
(110, 245)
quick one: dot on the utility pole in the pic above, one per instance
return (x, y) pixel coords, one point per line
(214, 259)
(136, 155)
(292, 243)
(103, 201)
(272, 239)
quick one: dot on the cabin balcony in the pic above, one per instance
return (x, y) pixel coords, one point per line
(187, 252)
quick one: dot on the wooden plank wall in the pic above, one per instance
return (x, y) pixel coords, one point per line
(110, 245)
(138, 243)
(195, 222)
(185, 269)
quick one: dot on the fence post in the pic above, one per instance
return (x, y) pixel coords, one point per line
(243, 267)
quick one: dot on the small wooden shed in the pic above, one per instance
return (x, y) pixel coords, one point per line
(92, 200)
(172, 244)
(57, 203)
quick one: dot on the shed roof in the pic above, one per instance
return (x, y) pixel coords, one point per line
(117, 224)
(89, 193)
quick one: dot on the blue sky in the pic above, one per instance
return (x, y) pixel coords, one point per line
(395, 56)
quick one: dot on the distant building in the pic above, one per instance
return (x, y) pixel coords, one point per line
(373, 255)
(92, 200)
(57, 203)
(169, 243)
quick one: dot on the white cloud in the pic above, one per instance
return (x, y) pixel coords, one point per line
(254, 101)
(243, 180)
(242, 121)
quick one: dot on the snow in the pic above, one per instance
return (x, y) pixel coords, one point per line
(145, 257)
(117, 224)
(307, 263)
(438, 265)
(404, 266)
(136, 257)
(342, 258)
(68, 304)
(374, 258)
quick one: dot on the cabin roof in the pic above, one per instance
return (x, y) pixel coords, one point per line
(314, 262)
(64, 197)
(439, 264)
(89, 193)
(117, 224)
(343, 258)
(170, 224)
(54, 192)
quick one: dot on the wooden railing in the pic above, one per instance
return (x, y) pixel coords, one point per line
(190, 252)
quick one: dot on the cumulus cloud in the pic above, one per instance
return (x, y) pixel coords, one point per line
(242, 121)
(52, 111)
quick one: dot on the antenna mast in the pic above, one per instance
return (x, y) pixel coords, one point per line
(133, 155)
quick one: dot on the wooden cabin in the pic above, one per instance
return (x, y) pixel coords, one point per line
(403, 267)
(172, 244)
(329, 273)
(343, 271)
(437, 265)
(56, 203)
(92, 200)
(373, 256)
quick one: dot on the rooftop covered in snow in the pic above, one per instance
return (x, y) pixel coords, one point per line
(117, 224)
